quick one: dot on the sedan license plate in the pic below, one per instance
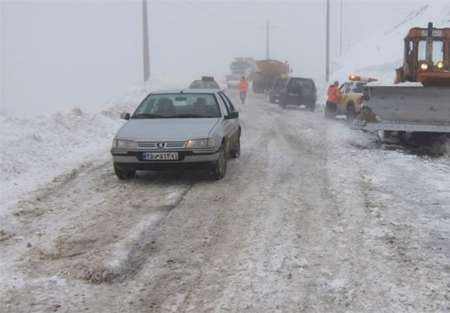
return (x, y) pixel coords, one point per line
(160, 156)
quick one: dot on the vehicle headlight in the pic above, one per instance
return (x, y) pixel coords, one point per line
(201, 143)
(424, 66)
(440, 65)
(124, 144)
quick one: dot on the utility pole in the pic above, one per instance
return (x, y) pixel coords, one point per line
(268, 39)
(2, 55)
(341, 26)
(145, 42)
(327, 53)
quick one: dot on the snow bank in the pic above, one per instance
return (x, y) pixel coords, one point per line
(35, 150)
(379, 55)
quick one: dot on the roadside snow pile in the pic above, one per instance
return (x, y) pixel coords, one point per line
(378, 56)
(35, 150)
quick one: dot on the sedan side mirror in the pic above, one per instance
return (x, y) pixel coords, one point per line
(125, 116)
(232, 115)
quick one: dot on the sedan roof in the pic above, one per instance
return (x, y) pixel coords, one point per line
(186, 91)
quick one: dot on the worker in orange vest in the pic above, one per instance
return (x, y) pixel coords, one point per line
(243, 89)
(334, 95)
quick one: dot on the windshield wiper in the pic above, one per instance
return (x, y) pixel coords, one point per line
(188, 115)
(148, 115)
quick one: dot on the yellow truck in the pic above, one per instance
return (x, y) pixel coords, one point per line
(352, 93)
(419, 101)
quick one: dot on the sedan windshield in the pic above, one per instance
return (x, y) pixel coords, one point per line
(178, 106)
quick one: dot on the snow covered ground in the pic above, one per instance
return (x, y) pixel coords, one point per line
(313, 217)
(37, 149)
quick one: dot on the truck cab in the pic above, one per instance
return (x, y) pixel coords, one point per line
(426, 57)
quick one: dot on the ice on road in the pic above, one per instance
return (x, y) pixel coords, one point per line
(313, 217)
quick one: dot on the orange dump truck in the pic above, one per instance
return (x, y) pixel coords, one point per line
(266, 73)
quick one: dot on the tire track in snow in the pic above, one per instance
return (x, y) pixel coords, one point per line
(130, 254)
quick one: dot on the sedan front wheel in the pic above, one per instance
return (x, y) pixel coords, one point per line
(236, 151)
(123, 173)
(220, 166)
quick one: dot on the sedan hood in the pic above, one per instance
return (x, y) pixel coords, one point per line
(170, 129)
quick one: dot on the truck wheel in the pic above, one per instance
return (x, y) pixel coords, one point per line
(123, 173)
(350, 112)
(220, 166)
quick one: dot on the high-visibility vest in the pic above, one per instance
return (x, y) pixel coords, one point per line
(243, 86)
(334, 94)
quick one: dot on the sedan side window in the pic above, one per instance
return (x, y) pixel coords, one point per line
(224, 103)
(228, 101)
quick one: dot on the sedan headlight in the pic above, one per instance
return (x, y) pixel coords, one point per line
(440, 65)
(204, 143)
(424, 66)
(124, 144)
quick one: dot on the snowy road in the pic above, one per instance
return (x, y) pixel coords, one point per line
(313, 217)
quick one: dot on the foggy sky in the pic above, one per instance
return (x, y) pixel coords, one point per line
(55, 55)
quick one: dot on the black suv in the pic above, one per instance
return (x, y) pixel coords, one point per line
(294, 90)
